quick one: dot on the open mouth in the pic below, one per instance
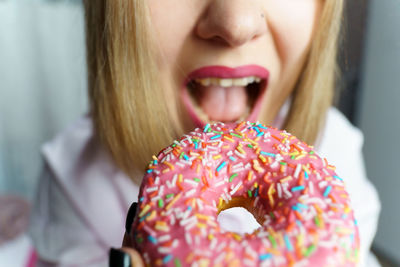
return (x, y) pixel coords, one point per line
(223, 94)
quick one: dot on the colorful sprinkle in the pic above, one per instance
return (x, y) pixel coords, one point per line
(236, 135)
(266, 256)
(287, 242)
(337, 177)
(232, 177)
(327, 190)
(167, 258)
(152, 239)
(268, 154)
(297, 188)
(309, 250)
(177, 262)
(221, 166)
(215, 137)
(206, 128)
(160, 203)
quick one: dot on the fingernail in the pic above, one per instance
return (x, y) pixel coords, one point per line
(129, 217)
(118, 258)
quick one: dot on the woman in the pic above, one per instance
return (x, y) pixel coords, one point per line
(154, 69)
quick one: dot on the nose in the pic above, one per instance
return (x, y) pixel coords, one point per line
(234, 22)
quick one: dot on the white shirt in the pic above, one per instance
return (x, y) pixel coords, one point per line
(83, 197)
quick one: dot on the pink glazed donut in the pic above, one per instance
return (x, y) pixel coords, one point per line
(295, 195)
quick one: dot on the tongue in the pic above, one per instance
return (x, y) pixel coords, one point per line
(223, 103)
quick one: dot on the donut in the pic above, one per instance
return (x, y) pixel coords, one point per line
(300, 202)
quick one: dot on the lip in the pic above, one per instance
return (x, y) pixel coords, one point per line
(225, 72)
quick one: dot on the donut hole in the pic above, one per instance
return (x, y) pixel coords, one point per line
(238, 220)
(238, 217)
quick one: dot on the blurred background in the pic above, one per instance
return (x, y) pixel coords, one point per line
(43, 89)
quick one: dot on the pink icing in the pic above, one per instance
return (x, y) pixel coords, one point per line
(308, 220)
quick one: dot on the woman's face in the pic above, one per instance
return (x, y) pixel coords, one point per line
(231, 60)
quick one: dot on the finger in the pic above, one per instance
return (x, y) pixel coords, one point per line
(128, 225)
(127, 241)
(129, 217)
(136, 259)
(125, 257)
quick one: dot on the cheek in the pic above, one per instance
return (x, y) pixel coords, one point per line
(169, 31)
(292, 24)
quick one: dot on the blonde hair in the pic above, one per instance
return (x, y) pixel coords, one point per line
(314, 92)
(128, 106)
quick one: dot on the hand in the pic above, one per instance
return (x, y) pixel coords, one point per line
(126, 256)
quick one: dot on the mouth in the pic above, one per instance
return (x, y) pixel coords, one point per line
(223, 94)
